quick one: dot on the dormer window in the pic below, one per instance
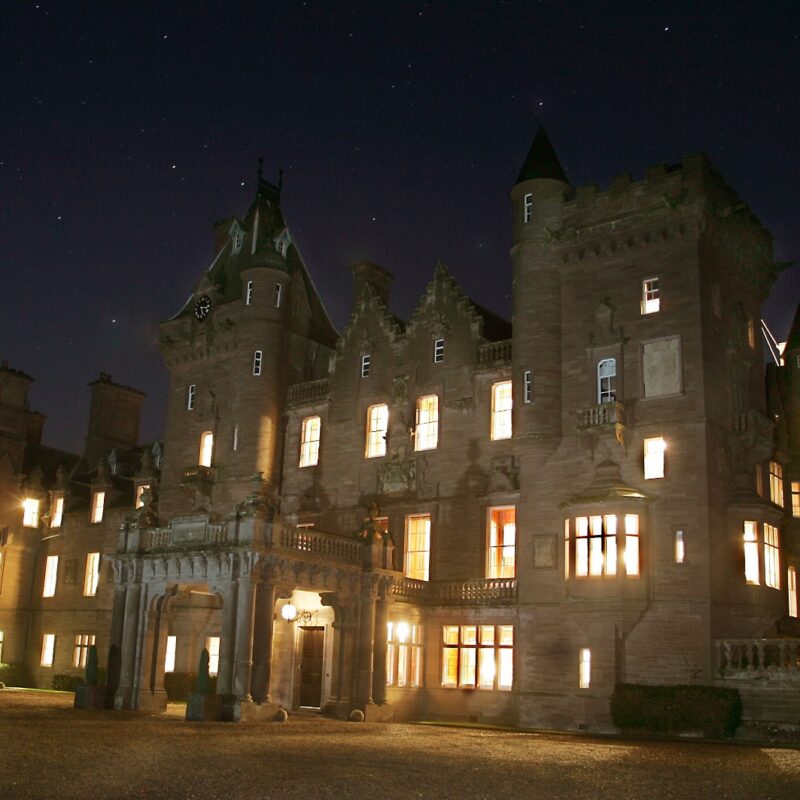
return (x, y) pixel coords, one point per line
(282, 242)
(248, 297)
(237, 237)
(527, 208)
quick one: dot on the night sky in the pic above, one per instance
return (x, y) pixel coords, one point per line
(127, 128)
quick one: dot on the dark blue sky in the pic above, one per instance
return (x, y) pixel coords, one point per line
(128, 128)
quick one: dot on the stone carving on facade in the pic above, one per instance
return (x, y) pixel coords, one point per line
(371, 529)
(504, 475)
(259, 503)
(398, 475)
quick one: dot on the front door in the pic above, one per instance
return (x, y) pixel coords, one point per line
(311, 650)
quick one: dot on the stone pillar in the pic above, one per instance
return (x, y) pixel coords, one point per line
(366, 638)
(379, 654)
(125, 698)
(152, 696)
(262, 641)
(243, 649)
(226, 640)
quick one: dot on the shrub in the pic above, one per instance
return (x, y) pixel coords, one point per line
(179, 684)
(91, 667)
(14, 675)
(674, 709)
(66, 683)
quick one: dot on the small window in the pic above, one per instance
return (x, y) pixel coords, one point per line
(50, 576)
(30, 512)
(257, 358)
(418, 546)
(377, 426)
(140, 490)
(772, 560)
(426, 431)
(235, 442)
(654, 457)
(651, 301)
(57, 514)
(98, 504)
(206, 449)
(364, 366)
(248, 295)
(527, 386)
(796, 498)
(278, 294)
(791, 581)
(502, 404)
(169, 654)
(438, 351)
(679, 552)
(502, 542)
(309, 441)
(92, 576)
(607, 380)
(527, 208)
(585, 668)
(80, 653)
(212, 645)
(776, 483)
(48, 649)
(751, 566)
(190, 395)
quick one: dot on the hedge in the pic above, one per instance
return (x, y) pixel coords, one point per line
(14, 675)
(715, 711)
(66, 683)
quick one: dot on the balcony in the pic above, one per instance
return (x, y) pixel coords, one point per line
(483, 592)
(753, 659)
(308, 392)
(494, 353)
(318, 544)
(197, 476)
(601, 415)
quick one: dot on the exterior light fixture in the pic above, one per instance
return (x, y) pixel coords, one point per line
(291, 613)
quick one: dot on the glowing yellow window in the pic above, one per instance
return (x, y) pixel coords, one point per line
(654, 457)
(377, 425)
(418, 546)
(792, 582)
(140, 490)
(751, 568)
(212, 645)
(50, 576)
(772, 561)
(92, 575)
(48, 649)
(98, 502)
(427, 423)
(776, 483)
(30, 512)
(468, 656)
(309, 441)
(501, 410)
(80, 652)
(403, 654)
(57, 514)
(585, 668)
(631, 544)
(796, 498)
(206, 449)
(169, 654)
(502, 542)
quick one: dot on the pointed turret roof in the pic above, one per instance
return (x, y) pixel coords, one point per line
(542, 161)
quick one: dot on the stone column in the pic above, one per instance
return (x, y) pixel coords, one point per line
(226, 640)
(125, 697)
(379, 654)
(243, 649)
(366, 638)
(262, 641)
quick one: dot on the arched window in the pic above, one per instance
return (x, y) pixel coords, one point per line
(607, 380)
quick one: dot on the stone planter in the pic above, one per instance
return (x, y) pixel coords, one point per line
(92, 697)
(203, 707)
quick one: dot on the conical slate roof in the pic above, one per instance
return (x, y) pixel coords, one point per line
(542, 161)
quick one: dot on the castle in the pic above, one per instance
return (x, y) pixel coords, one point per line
(450, 517)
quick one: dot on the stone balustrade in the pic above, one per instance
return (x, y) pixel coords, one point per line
(495, 353)
(758, 658)
(482, 592)
(308, 392)
(601, 414)
(184, 534)
(326, 546)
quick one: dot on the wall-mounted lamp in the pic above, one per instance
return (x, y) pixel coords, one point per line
(291, 613)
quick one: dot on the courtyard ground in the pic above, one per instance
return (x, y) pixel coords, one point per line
(49, 750)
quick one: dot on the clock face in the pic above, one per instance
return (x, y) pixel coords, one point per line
(202, 307)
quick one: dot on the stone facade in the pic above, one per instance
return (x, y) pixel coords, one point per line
(449, 517)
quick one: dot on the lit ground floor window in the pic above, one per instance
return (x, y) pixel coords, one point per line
(404, 654)
(80, 652)
(48, 649)
(169, 654)
(478, 656)
(212, 645)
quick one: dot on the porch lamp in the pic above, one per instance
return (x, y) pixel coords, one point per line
(291, 613)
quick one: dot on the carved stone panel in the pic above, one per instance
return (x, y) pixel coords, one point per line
(662, 369)
(544, 551)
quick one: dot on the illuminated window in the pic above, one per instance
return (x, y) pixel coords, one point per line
(596, 545)
(680, 547)
(776, 483)
(650, 296)
(48, 649)
(527, 386)
(169, 654)
(235, 442)
(377, 425)
(796, 498)
(607, 380)
(566, 549)
(212, 645)
(257, 359)
(502, 542)
(80, 652)
(279, 291)
(50, 576)
(654, 457)
(140, 490)
(403, 654)
(57, 513)
(190, 395)
(478, 656)
(92, 576)
(30, 512)
(772, 562)
(248, 300)
(792, 582)
(585, 668)
(527, 207)
(501, 410)
(427, 423)
(438, 351)
(751, 333)
(631, 555)
(418, 546)
(751, 568)
(364, 366)
(1, 647)
(309, 441)
(206, 449)
(98, 504)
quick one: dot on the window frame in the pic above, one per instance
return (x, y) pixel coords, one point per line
(422, 571)
(170, 650)
(501, 424)
(438, 351)
(191, 393)
(365, 365)
(651, 296)
(57, 511)
(50, 583)
(527, 208)
(527, 386)
(205, 457)
(249, 292)
(31, 506)
(772, 555)
(47, 657)
(309, 447)
(213, 654)
(376, 437)
(791, 589)
(98, 506)
(91, 574)
(404, 655)
(606, 393)
(258, 362)
(604, 549)
(426, 423)
(776, 495)
(471, 655)
(752, 561)
(654, 449)
(80, 649)
(278, 294)
(498, 567)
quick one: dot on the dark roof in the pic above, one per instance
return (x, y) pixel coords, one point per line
(495, 328)
(542, 161)
(793, 339)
